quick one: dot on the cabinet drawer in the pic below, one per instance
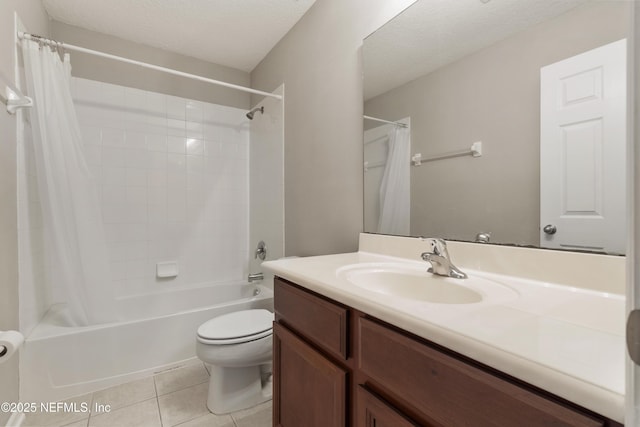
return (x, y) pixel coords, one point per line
(321, 321)
(450, 391)
(375, 412)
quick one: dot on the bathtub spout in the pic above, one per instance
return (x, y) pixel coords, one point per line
(256, 277)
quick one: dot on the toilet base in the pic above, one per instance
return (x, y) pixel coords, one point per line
(234, 389)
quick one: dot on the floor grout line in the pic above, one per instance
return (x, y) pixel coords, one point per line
(155, 388)
(159, 412)
(93, 399)
(180, 389)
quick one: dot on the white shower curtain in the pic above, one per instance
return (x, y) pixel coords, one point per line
(68, 193)
(395, 202)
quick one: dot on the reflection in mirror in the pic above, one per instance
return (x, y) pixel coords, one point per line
(387, 176)
(540, 84)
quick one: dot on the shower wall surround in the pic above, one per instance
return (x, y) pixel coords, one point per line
(174, 182)
(173, 176)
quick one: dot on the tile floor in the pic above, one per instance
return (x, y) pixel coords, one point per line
(174, 398)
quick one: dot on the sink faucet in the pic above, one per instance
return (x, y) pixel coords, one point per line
(440, 261)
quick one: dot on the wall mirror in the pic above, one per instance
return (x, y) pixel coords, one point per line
(508, 123)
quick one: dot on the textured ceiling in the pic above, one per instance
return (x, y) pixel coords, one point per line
(235, 33)
(433, 33)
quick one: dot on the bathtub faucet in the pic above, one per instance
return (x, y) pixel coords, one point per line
(256, 277)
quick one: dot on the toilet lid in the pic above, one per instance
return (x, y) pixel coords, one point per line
(237, 325)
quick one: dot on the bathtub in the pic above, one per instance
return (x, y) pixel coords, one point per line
(58, 361)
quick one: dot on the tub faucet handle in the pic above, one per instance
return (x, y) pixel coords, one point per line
(261, 251)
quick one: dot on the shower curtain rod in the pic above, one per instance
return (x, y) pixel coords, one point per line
(375, 119)
(54, 43)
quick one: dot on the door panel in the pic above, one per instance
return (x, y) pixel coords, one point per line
(309, 390)
(583, 151)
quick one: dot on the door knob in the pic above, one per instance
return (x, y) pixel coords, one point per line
(550, 229)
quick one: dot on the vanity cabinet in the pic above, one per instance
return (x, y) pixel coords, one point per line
(335, 366)
(311, 378)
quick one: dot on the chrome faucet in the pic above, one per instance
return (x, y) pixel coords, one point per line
(440, 261)
(255, 277)
(483, 237)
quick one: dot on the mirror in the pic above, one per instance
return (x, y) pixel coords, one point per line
(498, 73)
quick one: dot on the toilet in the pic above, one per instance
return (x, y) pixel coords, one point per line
(238, 346)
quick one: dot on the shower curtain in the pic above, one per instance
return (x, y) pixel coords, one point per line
(396, 185)
(75, 239)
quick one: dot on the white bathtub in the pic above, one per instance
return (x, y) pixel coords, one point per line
(58, 361)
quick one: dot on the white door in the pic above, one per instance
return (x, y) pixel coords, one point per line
(582, 151)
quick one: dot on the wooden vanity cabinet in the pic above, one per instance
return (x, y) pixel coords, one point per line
(311, 376)
(335, 366)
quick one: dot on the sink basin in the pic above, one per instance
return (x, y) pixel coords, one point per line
(412, 281)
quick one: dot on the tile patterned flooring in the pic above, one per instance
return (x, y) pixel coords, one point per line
(174, 398)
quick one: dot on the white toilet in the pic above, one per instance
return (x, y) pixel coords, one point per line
(238, 346)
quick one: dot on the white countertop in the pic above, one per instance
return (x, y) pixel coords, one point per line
(566, 340)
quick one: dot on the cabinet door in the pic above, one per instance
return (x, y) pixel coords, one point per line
(374, 412)
(309, 389)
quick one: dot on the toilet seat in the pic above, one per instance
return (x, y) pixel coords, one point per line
(237, 327)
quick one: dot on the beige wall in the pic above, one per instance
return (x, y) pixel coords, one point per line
(319, 63)
(35, 19)
(491, 96)
(109, 71)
